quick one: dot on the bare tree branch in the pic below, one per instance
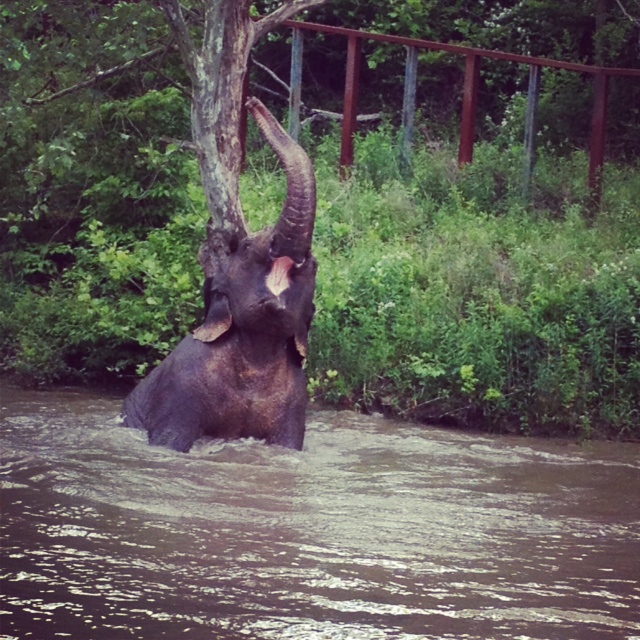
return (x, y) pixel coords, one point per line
(187, 145)
(271, 74)
(98, 77)
(51, 82)
(174, 83)
(315, 114)
(320, 114)
(627, 14)
(288, 9)
(271, 92)
(187, 49)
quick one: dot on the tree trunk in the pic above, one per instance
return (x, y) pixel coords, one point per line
(217, 107)
(217, 73)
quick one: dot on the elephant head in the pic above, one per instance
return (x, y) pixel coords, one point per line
(267, 281)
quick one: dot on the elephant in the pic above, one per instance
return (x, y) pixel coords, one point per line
(240, 374)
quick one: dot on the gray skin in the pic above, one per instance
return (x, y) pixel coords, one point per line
(240, 374)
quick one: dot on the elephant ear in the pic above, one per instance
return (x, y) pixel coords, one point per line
(218, 320)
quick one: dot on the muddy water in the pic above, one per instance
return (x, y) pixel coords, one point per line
(377, 530)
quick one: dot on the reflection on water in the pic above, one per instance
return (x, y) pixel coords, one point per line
(377, 530)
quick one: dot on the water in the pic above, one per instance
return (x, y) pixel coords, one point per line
(377, 530)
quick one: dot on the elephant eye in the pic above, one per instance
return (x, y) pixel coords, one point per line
(296, 265)
(299, 266)
(272, 253)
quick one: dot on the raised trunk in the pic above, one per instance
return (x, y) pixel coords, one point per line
(293, 232)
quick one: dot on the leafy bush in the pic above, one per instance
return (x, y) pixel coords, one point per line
(121, 306)
(440, 309)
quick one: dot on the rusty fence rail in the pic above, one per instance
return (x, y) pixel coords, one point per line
(601, 76)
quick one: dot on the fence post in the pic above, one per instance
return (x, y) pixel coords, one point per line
(350, 114)
(598, 135)
(469, 108)
(244, 117)
(295, 92)
(409, 105)
(533, 95)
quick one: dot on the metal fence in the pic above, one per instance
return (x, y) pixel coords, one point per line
(601, 77)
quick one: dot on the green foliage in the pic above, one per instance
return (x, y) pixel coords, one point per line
(441, 296)
(446, 298)
(97, 153)
(123, 305)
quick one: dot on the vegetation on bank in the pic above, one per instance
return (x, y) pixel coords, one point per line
(441, 294)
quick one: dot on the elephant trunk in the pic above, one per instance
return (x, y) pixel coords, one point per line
(293, 232)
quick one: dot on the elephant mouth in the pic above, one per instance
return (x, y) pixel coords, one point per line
(278, 279)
